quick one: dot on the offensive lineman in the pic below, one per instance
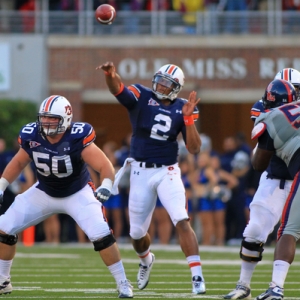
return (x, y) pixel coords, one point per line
(60, 150)
(278, 132)
(157, 117)
(268, 202)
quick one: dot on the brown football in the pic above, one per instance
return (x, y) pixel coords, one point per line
(105, 14)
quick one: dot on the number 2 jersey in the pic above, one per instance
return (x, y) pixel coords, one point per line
(155, 126)
(60, 169)
(278, 130)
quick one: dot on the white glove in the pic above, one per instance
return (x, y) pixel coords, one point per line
(103, 192)
(3, 185)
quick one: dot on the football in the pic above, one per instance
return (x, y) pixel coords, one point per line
(105, 14)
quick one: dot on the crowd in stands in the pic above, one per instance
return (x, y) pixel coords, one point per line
(179, 5)
(219, 189)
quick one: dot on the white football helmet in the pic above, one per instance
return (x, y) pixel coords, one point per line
(57, 107)
(169, 76)
(291, 75)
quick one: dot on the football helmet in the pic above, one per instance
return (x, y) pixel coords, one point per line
(291, 75)
(277, 93)
(171, 77)
(55, 106)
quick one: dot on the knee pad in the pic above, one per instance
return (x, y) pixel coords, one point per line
(251, 252)
(8, 239)
(104, 243)
(257, 232)
(137, 233)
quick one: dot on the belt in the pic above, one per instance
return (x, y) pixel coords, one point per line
(149, 165)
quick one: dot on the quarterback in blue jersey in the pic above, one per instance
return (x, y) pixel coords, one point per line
(269, 199)
(60, 151)
(157, 117)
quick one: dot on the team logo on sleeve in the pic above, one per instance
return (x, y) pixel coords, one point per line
(33, 144)
(152, 102)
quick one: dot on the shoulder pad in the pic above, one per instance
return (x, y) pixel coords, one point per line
(84, 132)
(258, 130)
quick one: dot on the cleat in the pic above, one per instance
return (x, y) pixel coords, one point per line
(273, 293)
(198, 285)
(5, 287)
(144, 274)
(125, 289)
(241, 291)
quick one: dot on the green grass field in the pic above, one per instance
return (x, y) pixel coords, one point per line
(74, 272)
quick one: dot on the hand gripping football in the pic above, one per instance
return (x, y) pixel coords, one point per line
(105, 14)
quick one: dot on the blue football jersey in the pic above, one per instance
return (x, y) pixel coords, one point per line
(155, 126)
(276, 168)
(60, 169)
(256, 110)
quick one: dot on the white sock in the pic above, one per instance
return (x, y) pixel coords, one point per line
(280, 270)
(195, 265)
(5, 266)
(146, 257)
(117, 271)
(247, 269)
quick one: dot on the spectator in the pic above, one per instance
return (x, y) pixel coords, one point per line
(236, 20)
(235, 216)
(189, 9)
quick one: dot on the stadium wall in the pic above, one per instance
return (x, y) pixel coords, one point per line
(229, 74)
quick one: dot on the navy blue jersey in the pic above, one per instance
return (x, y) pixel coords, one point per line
(155, 126)
(256, 110)
(61, 171)
(276, 168)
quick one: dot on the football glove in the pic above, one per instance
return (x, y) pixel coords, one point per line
(103, 192)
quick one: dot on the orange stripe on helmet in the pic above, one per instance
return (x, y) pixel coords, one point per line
(89, 138)
(171, 69)
(288, 91)
(135, 91)
(286, 74)
(48, 103)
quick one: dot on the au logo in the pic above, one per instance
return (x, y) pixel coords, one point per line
(68, 110)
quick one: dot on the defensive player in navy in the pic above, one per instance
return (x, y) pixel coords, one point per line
(278, 132)
(158, 116)
(269, 199)
(61, 151)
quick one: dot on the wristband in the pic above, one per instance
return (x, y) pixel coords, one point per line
(188, 120)
(107, 184)
(3, 184)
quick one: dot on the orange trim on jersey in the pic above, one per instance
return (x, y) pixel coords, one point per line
(195, 264)
(89, 138)
(171, 69)
(121, 89)
(286, 74)
(135, 91)
(255, 113)
(144, 255)
(48, 103)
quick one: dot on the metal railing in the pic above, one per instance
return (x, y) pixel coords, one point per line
(272, 23)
